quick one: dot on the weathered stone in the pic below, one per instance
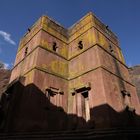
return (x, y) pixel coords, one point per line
(135, 76)
(65, 86)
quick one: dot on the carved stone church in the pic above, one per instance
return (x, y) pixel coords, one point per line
(71, 79)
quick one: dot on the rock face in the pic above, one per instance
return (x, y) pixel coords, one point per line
(4, 79)
(135, 76)
(76, 74)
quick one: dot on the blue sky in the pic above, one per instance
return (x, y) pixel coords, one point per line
(122, 16)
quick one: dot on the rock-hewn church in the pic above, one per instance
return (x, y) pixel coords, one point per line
(69, 79)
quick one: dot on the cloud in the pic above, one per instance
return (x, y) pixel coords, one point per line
(6, 66)
(7, 37)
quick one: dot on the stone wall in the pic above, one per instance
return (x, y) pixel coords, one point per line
(135, 76)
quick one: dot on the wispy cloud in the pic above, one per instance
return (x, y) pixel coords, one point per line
(6, 66)
(7, 37)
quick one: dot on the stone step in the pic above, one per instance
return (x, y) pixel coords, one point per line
(115, 134)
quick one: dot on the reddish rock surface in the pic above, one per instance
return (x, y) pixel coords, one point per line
(135, 76)
(134, 73)
(77, 76)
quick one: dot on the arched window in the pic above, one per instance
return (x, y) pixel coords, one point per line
(26, 51)
(80, 45)
(111, 49)
(54, 47)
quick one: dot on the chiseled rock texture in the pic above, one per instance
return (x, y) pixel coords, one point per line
(4, 79)
(134, 73)
(135, 76)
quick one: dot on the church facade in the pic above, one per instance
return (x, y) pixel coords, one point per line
(69, 79)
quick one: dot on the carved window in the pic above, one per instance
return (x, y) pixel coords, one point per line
(80, 45)
(26, 51)
(54, 95)
(127, 100)
(111, 49)
(54, 47)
